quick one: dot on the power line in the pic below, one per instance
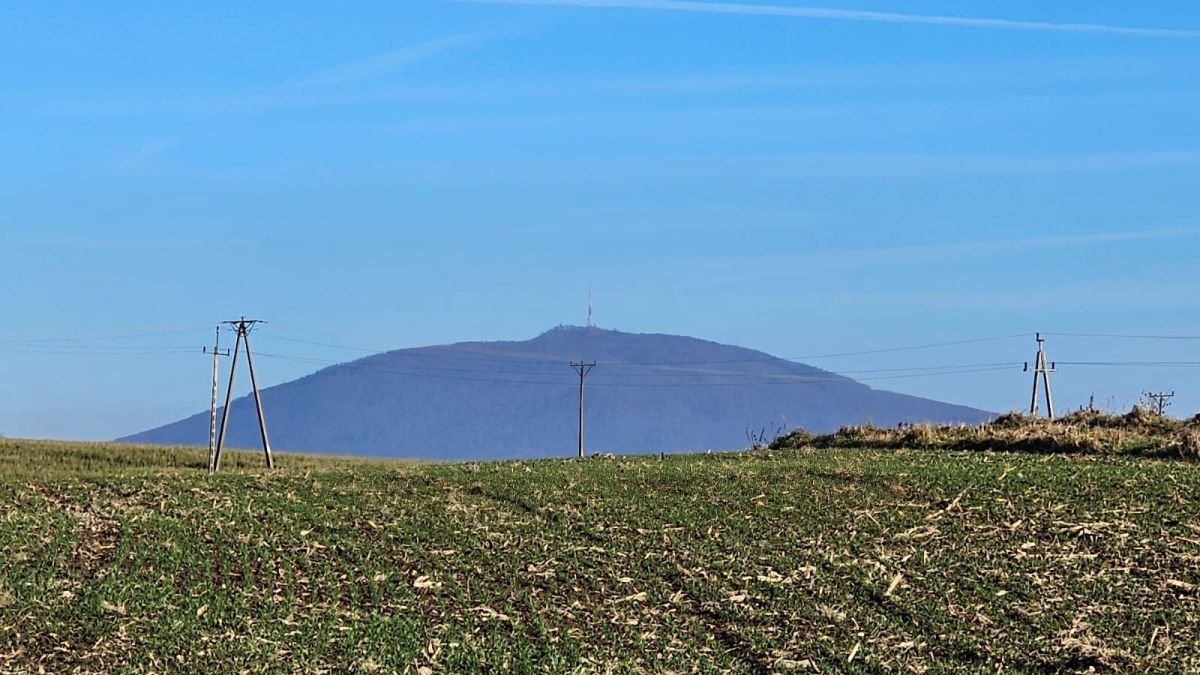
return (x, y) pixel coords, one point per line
(97, 347)
(773, 379)
(1139, 364)
(1119, 336)
(64, 343)
(546, 368)
(102, 352)
(101, 338)
(324, 344)
(766, 358)
(1005, 364)
(802, 379)
(932, 345)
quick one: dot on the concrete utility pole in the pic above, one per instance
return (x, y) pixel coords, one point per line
(217, 353)
(1041, 369)
(583, 369)
(243, 326)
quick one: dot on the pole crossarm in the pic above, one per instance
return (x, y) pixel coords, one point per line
(1161, 400)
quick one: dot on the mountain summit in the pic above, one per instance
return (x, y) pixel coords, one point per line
(492, 400)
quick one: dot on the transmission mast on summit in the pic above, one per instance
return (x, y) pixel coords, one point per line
(591, 323)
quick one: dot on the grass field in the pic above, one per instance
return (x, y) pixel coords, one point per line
(133, 559)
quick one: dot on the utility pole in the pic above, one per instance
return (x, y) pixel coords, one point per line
(583, 369)
(1161, 400)
(1041, 369)
(217, 353)
(243, 326)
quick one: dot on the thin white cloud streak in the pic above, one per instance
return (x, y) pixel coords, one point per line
(141, 155)
(384, 62)
(1105, 297)
(830, 14)
(974, 78)
(821, 167)
(520, 169)
(907, 165)
(81, 241)
(318, 89)
(779, 268)
(915, 255)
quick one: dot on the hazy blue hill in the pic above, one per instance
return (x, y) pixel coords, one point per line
(518, 399)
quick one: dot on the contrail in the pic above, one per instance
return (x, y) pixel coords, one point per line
(855, 15)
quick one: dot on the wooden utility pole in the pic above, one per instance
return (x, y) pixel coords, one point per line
(1041, 370)
(217, 353)
(1161, 400)
(583, 369)
(243, 326)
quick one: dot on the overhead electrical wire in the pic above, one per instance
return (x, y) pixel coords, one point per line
(89, 347)
(1139, 364)
(1119, 336)
(102, 338)
(762, 379)
(423, 352)
(424, 361)
(427, 368)
(97, 352)
(932, 345)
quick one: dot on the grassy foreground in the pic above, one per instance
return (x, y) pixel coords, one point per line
(132, 559)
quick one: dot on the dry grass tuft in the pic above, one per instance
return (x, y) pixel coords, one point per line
(1138, 433)
(1189, 443)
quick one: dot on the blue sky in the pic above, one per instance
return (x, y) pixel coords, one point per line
(798, 179)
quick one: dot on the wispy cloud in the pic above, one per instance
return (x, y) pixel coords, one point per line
(42, 240)
(901, 165)
(316, 89)
(782, 267)
(139, 155)
(915, 255)
(654, 168)
(986, 81)
(1104, 297)
(831, 14)
(384, 62)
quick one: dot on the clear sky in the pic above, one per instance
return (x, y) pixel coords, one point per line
(803, 180)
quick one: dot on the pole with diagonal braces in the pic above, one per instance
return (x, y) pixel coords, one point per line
(243, 327)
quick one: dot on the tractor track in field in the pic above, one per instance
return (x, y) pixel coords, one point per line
(96, 550)
(725, 633)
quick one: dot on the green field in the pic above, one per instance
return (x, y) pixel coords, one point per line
(133, 559)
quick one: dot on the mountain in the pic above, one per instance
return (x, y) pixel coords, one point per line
(486, 400)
